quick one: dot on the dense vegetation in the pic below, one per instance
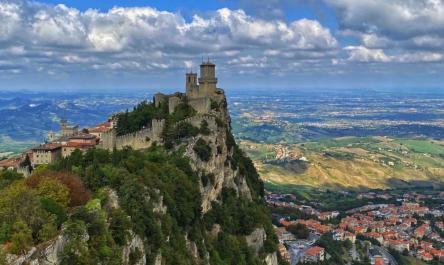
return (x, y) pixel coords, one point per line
(73, 195)
(139, 117)
(32, 210)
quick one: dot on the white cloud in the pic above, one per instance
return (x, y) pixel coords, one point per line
(420, 57)
(43, 33)
(363, 54)
(395, 18)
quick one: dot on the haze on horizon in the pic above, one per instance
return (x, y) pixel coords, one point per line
(129, 45)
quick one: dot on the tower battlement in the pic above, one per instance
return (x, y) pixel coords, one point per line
(207, 81)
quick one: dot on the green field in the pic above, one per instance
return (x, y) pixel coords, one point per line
(10, 147)
(351, 162)
(422, 146)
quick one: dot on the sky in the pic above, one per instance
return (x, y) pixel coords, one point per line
(256, 44)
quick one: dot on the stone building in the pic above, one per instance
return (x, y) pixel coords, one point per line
(46, 153)
(83, 142)
(199, 91)
(68, 129)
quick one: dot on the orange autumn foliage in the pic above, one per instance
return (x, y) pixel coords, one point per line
(78, 193)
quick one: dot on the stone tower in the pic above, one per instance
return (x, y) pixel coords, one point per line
(207, 80)
(191, 84)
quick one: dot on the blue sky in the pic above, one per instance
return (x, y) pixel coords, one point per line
(101, 45)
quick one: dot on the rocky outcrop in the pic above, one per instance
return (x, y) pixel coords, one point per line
(256, 239)
(44, 254)
(218, 165)
(271, 259)
(134, 245)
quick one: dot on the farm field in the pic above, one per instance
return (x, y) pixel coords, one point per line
(350, 162)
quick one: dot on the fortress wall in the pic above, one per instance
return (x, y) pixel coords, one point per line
(196, 121)
(137, 140)
(201, 105)
(172, 103)
(108, 140)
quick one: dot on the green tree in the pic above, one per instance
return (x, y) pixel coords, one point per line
(300, 231)
(202, 149)
(26, 162)
(21, 238)
(48, 231)
(54, 190)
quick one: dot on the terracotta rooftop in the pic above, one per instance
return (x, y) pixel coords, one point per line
(313, 251)
(47, 147)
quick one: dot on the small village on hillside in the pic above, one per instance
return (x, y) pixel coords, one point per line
(410, 223)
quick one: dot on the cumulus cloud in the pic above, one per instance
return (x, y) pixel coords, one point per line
(396, 18)
(363, 54)
(410, 30)
(144, 38)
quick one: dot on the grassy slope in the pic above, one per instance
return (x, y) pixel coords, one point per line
(365, 163)
(413, 261)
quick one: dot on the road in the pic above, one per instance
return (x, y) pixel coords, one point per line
(387, 255)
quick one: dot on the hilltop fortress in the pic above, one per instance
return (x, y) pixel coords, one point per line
(200, 93)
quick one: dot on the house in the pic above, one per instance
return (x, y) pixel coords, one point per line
(10, 164)
(399, 245)
(46, 153)
(314, 254)
(284, 253)
(375, 235)
(378, 261)
(426, 256)
(422, 230)
(283, 234)
(350, 236)
(82, 142)
(376, 258)
(438, 253)
(101, 128)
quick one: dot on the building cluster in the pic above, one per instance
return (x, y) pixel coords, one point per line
(405, 227)
(69, 139)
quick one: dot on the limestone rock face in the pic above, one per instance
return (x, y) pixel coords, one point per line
(271, 259)
(256, 239)
(46, 254)
(218, 164)
(135, 244)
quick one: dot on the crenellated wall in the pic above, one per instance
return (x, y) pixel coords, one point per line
(137, 140)
(197, 119)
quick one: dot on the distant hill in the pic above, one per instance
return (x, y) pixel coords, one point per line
(352, 162)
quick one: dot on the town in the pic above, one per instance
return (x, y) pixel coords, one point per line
(409, 225)
(58, 145)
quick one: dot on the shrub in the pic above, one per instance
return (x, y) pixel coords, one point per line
(119, 225)
(203, 150)
(7, 177)
(207, 178)
(204, 128)
(21, 238)
(299, 230)
(48, 231)
(53, 189)
(78, 194)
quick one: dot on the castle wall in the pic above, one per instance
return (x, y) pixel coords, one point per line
(196, 121)
(201, 105)
(138, 140)
(172, 103)
(159, 99)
